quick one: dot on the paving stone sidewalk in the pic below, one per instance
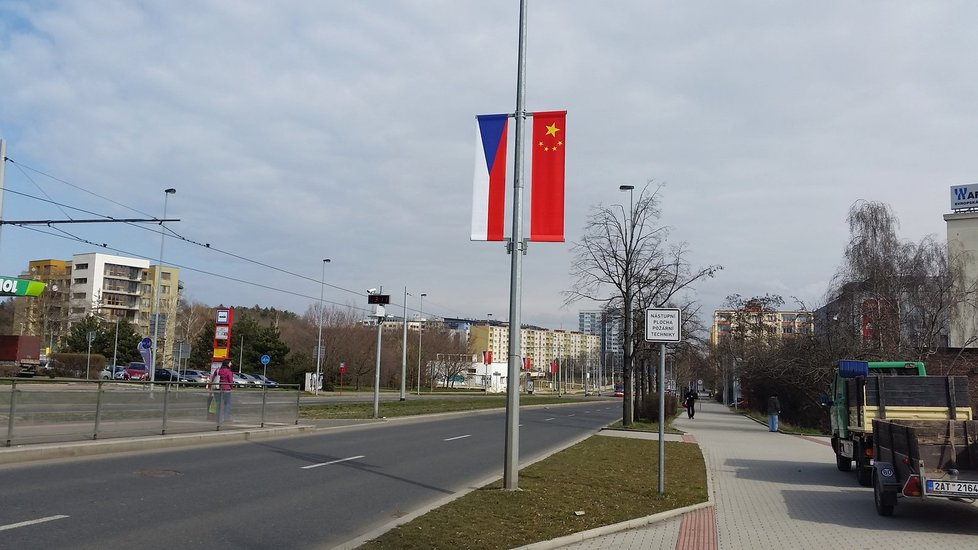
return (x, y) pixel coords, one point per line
(778, 490)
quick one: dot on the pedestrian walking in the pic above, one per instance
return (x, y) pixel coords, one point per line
(689, 401)
(225, 382)
(773, 410)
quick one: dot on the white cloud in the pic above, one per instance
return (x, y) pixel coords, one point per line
(306, 130)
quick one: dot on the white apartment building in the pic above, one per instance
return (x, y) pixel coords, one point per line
(111, 287)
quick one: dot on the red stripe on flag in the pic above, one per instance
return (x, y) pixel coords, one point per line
(497, 191)
(547, 177)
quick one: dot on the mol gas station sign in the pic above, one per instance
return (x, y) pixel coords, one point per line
(20, 287)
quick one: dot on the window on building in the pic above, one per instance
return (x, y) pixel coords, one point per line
(78, 295)
(79, 267)
(165, 275)
(81, 280)
(165, 289)
(78, 310)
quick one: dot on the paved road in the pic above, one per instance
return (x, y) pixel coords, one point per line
(303, 492)
(777, 491)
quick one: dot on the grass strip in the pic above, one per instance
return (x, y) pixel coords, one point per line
(414, 407)
(610, 479)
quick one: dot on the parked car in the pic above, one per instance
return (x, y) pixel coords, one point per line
(194, 376)
(265, 381)
(136, 371)
(112, 373)
(165, 375)
(252, 379)
(242, 380)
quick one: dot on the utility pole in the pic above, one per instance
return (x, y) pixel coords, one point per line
(516, 249)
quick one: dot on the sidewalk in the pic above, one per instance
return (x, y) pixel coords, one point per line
(775, 490)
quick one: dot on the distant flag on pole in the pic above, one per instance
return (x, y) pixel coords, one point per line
(547, 177)
(489, 181)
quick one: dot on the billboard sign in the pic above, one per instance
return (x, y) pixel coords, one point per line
(10, 286)
(964, 197)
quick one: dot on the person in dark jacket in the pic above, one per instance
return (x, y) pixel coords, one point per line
(773, 410)
(689, 401)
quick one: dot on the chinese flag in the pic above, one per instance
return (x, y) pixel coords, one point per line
(547, 177)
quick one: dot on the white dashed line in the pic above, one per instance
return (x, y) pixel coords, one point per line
(311, 466)
(31, 522)
(457, 437)
(549, 419)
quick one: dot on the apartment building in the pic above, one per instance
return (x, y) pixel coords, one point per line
(610, 327)
(758, 322)
(541, 346)
(111, 287)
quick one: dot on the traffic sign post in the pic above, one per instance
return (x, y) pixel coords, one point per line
(342, 372)
(265, 359)
(662, 325)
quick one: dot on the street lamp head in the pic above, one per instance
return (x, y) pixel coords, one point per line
(170, 191)
(626, 187)
(325, 260)
(423, 294)
(371, 291)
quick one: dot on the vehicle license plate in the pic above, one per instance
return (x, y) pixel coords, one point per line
(952, 488)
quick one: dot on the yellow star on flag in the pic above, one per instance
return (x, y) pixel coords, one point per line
(552, 130)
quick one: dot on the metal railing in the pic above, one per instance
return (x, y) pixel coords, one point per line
(52, 411)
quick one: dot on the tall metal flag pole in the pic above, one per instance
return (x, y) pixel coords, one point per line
(516, 249)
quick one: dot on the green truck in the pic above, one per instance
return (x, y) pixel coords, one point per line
(895, 390)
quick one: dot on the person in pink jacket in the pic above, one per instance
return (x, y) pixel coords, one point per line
(225, 382)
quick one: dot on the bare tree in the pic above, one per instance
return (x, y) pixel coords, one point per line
(894, 299)
(628, 254)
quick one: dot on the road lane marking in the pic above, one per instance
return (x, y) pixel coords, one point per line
(570, 415)
(311, 466)
(549, 419)
(457, 437)
(31, 522)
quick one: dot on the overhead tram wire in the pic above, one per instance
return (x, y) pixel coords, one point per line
(176, 235)
(94, 194)
(179, 237)
(69, 236)
(41, 189)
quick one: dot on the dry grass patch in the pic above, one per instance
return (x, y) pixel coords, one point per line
(412, 407)
(610, 479)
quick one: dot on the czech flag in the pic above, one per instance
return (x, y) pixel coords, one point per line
(489, 182)
(547, 177)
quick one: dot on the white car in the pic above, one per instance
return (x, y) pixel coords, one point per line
(108, 374)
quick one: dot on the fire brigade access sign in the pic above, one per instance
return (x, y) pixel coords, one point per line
(662, 325)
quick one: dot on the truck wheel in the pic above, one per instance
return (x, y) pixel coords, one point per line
(844, 463)
(881, 509)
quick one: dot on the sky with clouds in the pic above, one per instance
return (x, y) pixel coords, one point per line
(297, 131)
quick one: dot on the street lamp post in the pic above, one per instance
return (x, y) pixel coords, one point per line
(420, 326)
(115, 347)
(319, 342)
(156, 284)
(380, 331)
(404, 350)
(627, 374)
